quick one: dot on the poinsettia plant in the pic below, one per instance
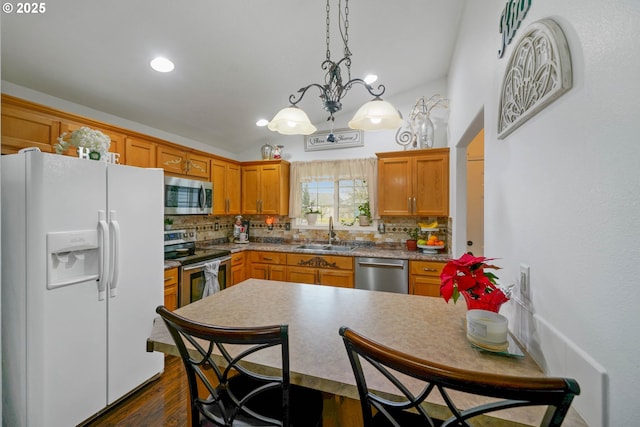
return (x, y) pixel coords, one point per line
(468, 274)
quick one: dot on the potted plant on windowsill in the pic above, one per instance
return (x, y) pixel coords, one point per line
(365, 214)
(312, 214)
(412, 241)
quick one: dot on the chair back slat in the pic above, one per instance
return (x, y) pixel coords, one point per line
(215, 359)
(554, 393)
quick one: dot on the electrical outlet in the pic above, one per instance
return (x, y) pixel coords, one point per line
(216, 226)
(525, 282)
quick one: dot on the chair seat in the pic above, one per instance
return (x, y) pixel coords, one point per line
(305, 404)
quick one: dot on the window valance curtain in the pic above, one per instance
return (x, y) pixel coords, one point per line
(332, 170)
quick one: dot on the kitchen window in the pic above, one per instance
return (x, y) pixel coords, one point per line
(334, 188)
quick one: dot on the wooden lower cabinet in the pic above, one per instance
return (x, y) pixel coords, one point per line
(171, 288)
(424, 278)
(320, 270)
(268, 265)
(238, 268)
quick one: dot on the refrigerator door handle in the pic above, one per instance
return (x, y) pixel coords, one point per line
(103, 255)
(115, 254)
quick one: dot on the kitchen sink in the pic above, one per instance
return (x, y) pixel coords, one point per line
(326, 248)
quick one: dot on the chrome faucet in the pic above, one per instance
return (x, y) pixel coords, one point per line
(332, 234)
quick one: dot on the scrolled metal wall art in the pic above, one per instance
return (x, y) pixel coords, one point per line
(539, 72)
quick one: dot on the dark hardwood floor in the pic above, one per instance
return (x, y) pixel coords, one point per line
(162, 402)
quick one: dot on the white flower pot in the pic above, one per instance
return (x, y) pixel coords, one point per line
(312, 218)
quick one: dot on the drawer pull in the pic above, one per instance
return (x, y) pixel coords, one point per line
(429, 269)
(166, 279)
(267, 259)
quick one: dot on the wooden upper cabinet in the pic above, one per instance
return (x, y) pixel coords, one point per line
(265, 187)
(172, 160)
(22, 128)
(140, 152)
(181, 162)
(414, 182)
(226, 177)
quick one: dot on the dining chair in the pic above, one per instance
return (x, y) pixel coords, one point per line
(395, 367)
(224, 387)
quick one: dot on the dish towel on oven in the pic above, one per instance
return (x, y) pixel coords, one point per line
(211, 284)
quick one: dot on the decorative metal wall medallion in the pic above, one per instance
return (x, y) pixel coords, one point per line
(327, 140)
(539, 71)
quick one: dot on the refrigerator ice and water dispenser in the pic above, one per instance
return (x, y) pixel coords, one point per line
(72, 257)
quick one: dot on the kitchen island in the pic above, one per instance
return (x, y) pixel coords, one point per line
(423, 326)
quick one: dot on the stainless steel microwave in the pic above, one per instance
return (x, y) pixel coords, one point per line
(187, 196)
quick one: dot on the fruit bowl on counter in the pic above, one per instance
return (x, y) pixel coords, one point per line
(430, 249)
(430, 245)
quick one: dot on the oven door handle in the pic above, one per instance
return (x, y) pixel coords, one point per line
(202, 264)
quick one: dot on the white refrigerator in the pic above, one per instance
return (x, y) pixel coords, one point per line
(82, 274)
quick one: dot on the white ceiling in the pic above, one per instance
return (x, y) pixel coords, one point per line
(236, 60)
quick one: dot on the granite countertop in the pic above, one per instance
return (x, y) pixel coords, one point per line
(359, 251)
(169, 263)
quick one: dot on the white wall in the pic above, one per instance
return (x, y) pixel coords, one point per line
(374, 142)
(562, 194)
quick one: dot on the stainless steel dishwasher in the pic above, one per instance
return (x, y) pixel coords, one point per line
(382, 274)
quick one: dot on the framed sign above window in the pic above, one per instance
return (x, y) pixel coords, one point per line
(340, 138)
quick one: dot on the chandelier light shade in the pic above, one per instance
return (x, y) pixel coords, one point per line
(374, 115)
(292, 121)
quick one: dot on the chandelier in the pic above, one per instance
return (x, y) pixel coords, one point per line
(375, 114)
(418, 131)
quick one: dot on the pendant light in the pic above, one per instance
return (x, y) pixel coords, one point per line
(374, 115)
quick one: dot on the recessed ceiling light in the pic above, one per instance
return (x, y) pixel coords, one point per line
(370, 78)
(162, 65)
(262, 122)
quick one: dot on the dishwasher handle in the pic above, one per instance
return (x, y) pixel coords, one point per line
(380, 264)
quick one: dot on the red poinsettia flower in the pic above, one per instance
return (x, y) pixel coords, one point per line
(467, 274)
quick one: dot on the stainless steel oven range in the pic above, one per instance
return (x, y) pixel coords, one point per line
(179, 245)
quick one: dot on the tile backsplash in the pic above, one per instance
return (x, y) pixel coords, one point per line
(285, 230)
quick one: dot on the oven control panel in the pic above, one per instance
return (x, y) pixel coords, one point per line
(173, 237)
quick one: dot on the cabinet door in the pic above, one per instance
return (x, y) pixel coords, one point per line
(171, 288)
(226, 179)
(250, 189)
(199, 166)
(302, 275)
(219, 177)
(22, 129)
(238, 268)
(424, 285)
(269, 195)
(172, 160)
(424, 278)
(395, 195)
(278, 272)
(259, 271)
(139, 152)
(431, 185)
(342, 279)
(233, 193)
